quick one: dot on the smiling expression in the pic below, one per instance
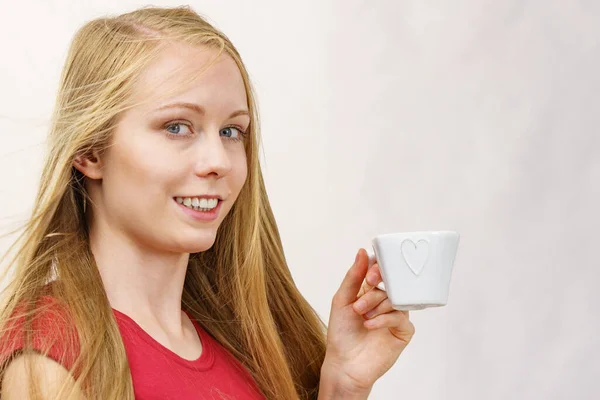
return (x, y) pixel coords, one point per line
(172, 159)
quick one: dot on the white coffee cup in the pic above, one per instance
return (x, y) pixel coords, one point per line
(415, 267)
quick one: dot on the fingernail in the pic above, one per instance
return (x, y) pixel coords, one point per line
(357, 254)
(371, 280)
(360, 305)
(371, 323)
(370, 314)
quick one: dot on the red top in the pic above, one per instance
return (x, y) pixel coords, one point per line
(157, 372)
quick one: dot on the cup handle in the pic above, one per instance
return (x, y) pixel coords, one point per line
(372, 260)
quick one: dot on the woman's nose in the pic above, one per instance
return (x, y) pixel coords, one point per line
(212, 156)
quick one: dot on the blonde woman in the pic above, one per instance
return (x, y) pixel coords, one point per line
(152, 267)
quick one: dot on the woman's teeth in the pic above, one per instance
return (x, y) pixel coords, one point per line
(198, 204)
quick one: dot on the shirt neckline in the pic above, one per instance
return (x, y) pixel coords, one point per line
(202, 363)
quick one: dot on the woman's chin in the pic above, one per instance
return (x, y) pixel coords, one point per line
(189, 245)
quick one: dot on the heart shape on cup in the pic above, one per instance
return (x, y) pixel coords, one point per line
(415, 254)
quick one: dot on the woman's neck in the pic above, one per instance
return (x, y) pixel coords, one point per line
(140, 281)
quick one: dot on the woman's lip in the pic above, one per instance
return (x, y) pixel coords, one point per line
(203, 196)
(201, 215)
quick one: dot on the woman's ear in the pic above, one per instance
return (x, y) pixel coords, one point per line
(89, 164)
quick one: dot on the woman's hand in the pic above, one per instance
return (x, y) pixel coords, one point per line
(361, 348)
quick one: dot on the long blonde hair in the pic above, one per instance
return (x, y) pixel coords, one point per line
(240, 290)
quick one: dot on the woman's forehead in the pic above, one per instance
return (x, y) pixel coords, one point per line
(187, 73)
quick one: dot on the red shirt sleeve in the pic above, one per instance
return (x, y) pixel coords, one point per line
(52, 334)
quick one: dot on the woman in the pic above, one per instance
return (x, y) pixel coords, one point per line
(152, 265)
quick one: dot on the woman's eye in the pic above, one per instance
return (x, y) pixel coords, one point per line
(229, 133)
(175, 129)
(178, 128)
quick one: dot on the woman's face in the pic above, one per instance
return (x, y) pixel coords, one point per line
(175, 166)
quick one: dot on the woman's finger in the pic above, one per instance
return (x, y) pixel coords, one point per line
(398, 323)
(372, 279)
(382, 308)
(369, 300)
(347, 292)
(374, 275)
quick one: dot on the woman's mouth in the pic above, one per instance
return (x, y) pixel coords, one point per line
(200, 208)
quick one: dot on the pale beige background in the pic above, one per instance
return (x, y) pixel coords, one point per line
(383, 116)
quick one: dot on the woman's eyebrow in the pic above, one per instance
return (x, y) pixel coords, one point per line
(199, 109)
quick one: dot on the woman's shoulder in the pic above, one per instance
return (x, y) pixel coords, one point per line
(50, 382)
(44, 327)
